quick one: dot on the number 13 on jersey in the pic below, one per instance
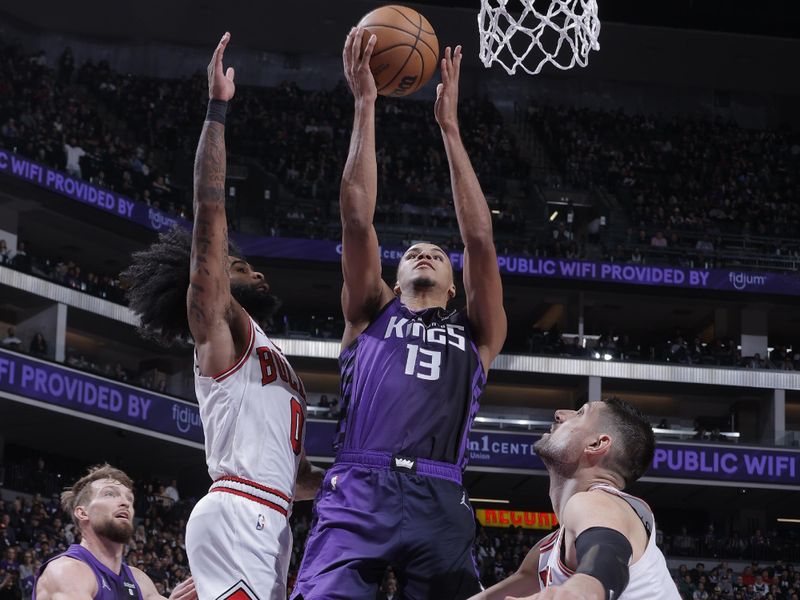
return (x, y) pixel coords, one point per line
(422, 363)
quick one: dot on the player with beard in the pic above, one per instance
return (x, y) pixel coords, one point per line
(252, 403)
(101, 506)
(411, 375)
(605, 548)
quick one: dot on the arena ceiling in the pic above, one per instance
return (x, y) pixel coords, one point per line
(315, 26)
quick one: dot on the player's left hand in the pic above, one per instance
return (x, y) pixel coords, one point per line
(220, 80)
(184, 591)
(446, 107)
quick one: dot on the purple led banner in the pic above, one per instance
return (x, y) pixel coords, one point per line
(730, 280)
(92, 395)
(97, 396)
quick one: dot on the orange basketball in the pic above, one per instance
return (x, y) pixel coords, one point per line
(406, 52)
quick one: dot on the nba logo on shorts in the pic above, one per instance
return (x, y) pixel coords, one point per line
(260, 524)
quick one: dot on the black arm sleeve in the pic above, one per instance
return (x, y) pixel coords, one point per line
(604, 554)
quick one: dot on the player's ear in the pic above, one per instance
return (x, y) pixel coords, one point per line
(451, 292)
(396, 289)
(80, 513)
(600, 446)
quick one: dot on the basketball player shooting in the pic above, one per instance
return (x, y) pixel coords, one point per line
(411, 375)
(252, 403)
(605, 548)
(101, 506)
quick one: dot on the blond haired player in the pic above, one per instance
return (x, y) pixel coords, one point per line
(605, 548)
(252, 403)
(101, 506)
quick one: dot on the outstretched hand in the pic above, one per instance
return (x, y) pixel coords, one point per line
(446, 107)
(184, 591)
(220, 83)
(356, 65)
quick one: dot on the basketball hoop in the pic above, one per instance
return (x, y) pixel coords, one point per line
(563, 35)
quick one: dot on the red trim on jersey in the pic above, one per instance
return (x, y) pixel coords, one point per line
(549, 544)
(266, 503)
(242, 359)
(564, 567)
(258, 486)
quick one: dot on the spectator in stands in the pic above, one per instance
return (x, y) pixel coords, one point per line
(171, 491)
(5, 252)
(38, 345)
(700, 592)
(74, 155)
(704, 245)
(9, 585)
(11, 341)
(20, 260)
(658, 240)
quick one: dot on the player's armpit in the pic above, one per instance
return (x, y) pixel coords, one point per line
(66, 579)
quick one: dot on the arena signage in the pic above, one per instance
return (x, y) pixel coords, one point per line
(756, 465)
(99, 397)
(25, 378)
(331, 251)
(516, 518)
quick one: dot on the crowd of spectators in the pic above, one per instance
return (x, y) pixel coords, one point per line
(758, 546)
(677, 349)
(61, 270)
(680, 176)
(32, 529)
(136, 135)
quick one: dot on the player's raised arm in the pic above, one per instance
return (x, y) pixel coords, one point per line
(364, 291)
(482, 283)
(208, 300)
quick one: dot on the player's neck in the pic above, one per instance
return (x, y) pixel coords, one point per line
(107, 552)
(421, 299)
(563, 488)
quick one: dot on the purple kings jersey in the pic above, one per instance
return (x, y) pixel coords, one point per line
(410, 385)
(110, 586)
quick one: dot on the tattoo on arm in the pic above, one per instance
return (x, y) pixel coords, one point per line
(209, 262)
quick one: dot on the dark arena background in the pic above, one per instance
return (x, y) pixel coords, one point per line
(646, 214)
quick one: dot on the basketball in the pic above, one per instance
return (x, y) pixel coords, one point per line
(406, 52)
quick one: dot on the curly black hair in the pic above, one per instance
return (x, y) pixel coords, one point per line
(157, 280)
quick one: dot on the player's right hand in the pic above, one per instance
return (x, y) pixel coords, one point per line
(356, 65)
(220, 82)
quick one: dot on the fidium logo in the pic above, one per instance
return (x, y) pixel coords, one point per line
(741, 281)
(185, 417)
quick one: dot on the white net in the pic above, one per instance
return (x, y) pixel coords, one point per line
(559, 32)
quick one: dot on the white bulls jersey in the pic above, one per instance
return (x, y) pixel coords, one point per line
(649, 576)
(254, 417)
(238, 538)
